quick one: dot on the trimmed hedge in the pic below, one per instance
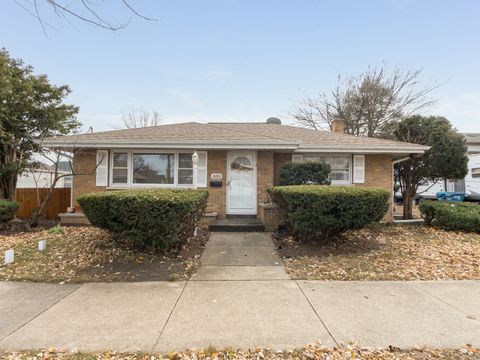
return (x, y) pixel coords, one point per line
(315, 210)
(158, 219)
(451, 215)
(7, 210)
(305, 173)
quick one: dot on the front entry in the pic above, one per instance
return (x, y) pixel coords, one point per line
(241, 183)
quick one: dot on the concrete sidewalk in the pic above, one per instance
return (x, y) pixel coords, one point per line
(240, 297)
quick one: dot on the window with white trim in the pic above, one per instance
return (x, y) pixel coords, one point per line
(120, 168)
(185, 168)
(156, 168)
(340, 165)
(476, 173)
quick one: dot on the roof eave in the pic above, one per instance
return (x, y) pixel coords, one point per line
(364, 149)
(234, 144)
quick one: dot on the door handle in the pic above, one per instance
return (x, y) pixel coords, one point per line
(228, 183)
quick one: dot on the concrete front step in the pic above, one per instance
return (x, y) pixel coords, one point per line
(77, 218)
(246, 224)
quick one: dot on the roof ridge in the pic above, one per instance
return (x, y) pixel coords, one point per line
(253, 133)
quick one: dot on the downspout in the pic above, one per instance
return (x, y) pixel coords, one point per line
(393, 184)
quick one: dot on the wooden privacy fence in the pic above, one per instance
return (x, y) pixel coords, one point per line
(27, 198)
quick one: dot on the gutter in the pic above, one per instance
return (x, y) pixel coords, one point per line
(362, 150)
(236, 144)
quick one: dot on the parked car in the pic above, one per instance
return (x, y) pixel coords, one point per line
(470, 185)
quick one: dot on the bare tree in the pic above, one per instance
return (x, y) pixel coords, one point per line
(140, 118)
(54, 157)
(84, 10)
(369, 102)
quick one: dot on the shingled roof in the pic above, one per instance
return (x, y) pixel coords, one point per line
(234, 136)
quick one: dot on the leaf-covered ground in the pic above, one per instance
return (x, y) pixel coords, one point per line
(385, 252)
(87, 254)
(308, 352)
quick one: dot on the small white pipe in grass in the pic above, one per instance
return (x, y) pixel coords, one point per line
(42, 245)
(9, 256)
(195, 232)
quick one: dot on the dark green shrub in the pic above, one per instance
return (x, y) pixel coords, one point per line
(158, 219)
(7, 210)
(451, 215)
(305, 173)
(315, 210)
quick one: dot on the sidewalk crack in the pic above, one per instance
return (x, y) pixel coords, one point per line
(169, 316)
(40, 313)
(316, 313)
(470, 316)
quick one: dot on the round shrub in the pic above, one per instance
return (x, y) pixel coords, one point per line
(158, 219)
(304, 173)
(315, 210)
(7, 210)
(451, 215)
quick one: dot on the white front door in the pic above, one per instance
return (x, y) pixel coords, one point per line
(241, 183)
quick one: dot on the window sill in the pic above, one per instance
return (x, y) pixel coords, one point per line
(341, 183)
(153, 186)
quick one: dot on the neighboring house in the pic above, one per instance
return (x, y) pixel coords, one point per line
(39, 175)
(238, 161)
(470, 185)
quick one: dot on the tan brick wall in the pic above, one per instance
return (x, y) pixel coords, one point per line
(217, 163)
(269, 216)
(378, 174)
(84, 162)
(265, 172)
(280, 160)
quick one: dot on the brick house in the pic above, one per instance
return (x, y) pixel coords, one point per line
(238, 162)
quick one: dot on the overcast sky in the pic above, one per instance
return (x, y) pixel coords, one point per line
(239, 60)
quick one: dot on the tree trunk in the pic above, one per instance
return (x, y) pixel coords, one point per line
(39, 210)
(408, 196)
(10, 165)
(8, 184)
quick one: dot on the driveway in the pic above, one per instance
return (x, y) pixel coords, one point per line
(242, 297)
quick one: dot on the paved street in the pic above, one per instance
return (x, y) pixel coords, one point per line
(240, 297)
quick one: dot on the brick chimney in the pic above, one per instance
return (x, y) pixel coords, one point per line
(338, 126)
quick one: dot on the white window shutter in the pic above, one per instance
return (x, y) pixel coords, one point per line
(297, 157)
(102, 168)
(202, 169)
(359, 169)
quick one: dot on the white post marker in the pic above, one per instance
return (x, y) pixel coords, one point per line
(42, 245)
(9, 256)
(195, 159)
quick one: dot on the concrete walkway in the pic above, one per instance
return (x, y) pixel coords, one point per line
(240, 297)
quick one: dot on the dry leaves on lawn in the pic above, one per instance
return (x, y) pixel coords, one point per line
(349, 352)
(386, 252)
(78, 254)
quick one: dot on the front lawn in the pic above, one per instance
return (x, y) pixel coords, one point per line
(88, 254)
(385, 252)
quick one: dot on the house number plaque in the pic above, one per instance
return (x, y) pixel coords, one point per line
(216, 176)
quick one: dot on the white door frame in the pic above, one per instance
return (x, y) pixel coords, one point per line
(229, 158)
